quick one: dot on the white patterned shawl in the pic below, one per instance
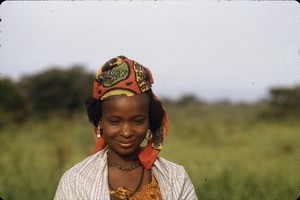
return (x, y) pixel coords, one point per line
(88, 180)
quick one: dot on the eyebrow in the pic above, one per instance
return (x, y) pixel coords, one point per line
(117, 116)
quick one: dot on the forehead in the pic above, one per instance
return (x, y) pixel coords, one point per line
(137, 104)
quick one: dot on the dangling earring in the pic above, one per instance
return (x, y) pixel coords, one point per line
(99, 130)
(157, 144)
(149, 136)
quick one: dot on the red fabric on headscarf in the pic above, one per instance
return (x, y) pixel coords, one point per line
(121, 76)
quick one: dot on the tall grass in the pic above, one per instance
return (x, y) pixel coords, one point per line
(226, 151)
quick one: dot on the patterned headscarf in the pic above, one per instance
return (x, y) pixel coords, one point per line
(122, 77)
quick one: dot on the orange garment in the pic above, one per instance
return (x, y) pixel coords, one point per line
(149, 191)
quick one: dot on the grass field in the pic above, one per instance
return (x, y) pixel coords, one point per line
(228, 153)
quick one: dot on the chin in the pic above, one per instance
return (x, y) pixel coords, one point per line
(126, 151)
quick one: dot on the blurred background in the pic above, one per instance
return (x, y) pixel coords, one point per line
(228, 73)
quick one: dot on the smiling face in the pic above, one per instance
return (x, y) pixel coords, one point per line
(125, 122)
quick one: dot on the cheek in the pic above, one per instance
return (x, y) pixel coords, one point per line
(109, 135)
(142, 130)
(110, 131)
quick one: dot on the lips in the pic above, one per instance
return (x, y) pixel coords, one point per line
(125, 144)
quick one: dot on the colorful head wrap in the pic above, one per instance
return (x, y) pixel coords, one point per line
(122, 77)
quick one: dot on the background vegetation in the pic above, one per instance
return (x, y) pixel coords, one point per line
(231, 151)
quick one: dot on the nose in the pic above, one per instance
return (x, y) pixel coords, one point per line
(126, 130)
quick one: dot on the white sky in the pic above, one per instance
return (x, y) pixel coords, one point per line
(217, 50)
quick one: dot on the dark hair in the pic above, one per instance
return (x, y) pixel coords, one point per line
(156, 112)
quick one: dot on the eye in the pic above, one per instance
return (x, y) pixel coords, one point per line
(114, 121)
(138, 121)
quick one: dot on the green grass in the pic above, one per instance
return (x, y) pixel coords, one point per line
(227, 153)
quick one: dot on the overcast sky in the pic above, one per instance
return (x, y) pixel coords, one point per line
(232, 50)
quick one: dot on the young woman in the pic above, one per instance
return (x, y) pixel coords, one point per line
(125, 112)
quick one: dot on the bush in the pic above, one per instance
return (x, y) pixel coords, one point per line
(13, 104)
(57, 90)
(283, 102)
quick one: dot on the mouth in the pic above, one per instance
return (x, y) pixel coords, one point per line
(125, 145)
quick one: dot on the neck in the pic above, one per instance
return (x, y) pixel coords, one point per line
(123, 160)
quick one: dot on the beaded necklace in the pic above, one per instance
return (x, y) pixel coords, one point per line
(124, 168)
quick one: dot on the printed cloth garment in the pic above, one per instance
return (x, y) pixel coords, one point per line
(123, 77)
(89, 180)
(149, 191)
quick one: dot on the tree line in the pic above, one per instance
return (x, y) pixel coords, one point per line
(53, 91)
(64, 91)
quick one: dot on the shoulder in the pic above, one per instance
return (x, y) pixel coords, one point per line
(173, 180)
(85, 165)
(168, 166)
(81, 175)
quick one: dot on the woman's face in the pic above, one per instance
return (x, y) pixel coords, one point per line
(125, 122)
